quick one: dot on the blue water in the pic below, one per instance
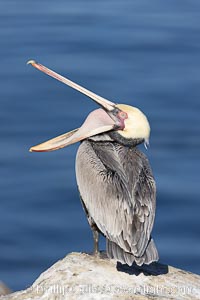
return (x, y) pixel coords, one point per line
(143, 53)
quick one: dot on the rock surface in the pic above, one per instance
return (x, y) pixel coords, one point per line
(81, 276)
(4, 290)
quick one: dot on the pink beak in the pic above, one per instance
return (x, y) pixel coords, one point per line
(98, 121)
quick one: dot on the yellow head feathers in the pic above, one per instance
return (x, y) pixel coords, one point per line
(136, 125)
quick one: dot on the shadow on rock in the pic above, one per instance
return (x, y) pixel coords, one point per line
(154, 269)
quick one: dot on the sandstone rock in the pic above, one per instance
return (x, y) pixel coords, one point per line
(4, 290)
(82, 276)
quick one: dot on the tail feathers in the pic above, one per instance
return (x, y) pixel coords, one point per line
(115, 252)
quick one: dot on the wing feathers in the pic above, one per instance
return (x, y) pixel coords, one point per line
(118, 189)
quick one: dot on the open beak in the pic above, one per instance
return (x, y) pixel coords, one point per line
(100, 120)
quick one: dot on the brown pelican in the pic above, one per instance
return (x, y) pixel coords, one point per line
(115, 180)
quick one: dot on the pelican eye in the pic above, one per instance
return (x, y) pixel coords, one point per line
(123, 115)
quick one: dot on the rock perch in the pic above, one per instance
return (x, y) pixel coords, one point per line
(82, 276)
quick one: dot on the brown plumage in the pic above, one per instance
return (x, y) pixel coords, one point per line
(118, 191)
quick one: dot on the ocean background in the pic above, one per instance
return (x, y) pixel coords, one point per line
(142, 53)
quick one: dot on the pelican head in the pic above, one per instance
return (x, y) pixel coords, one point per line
(136, 127)
(124, 122)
